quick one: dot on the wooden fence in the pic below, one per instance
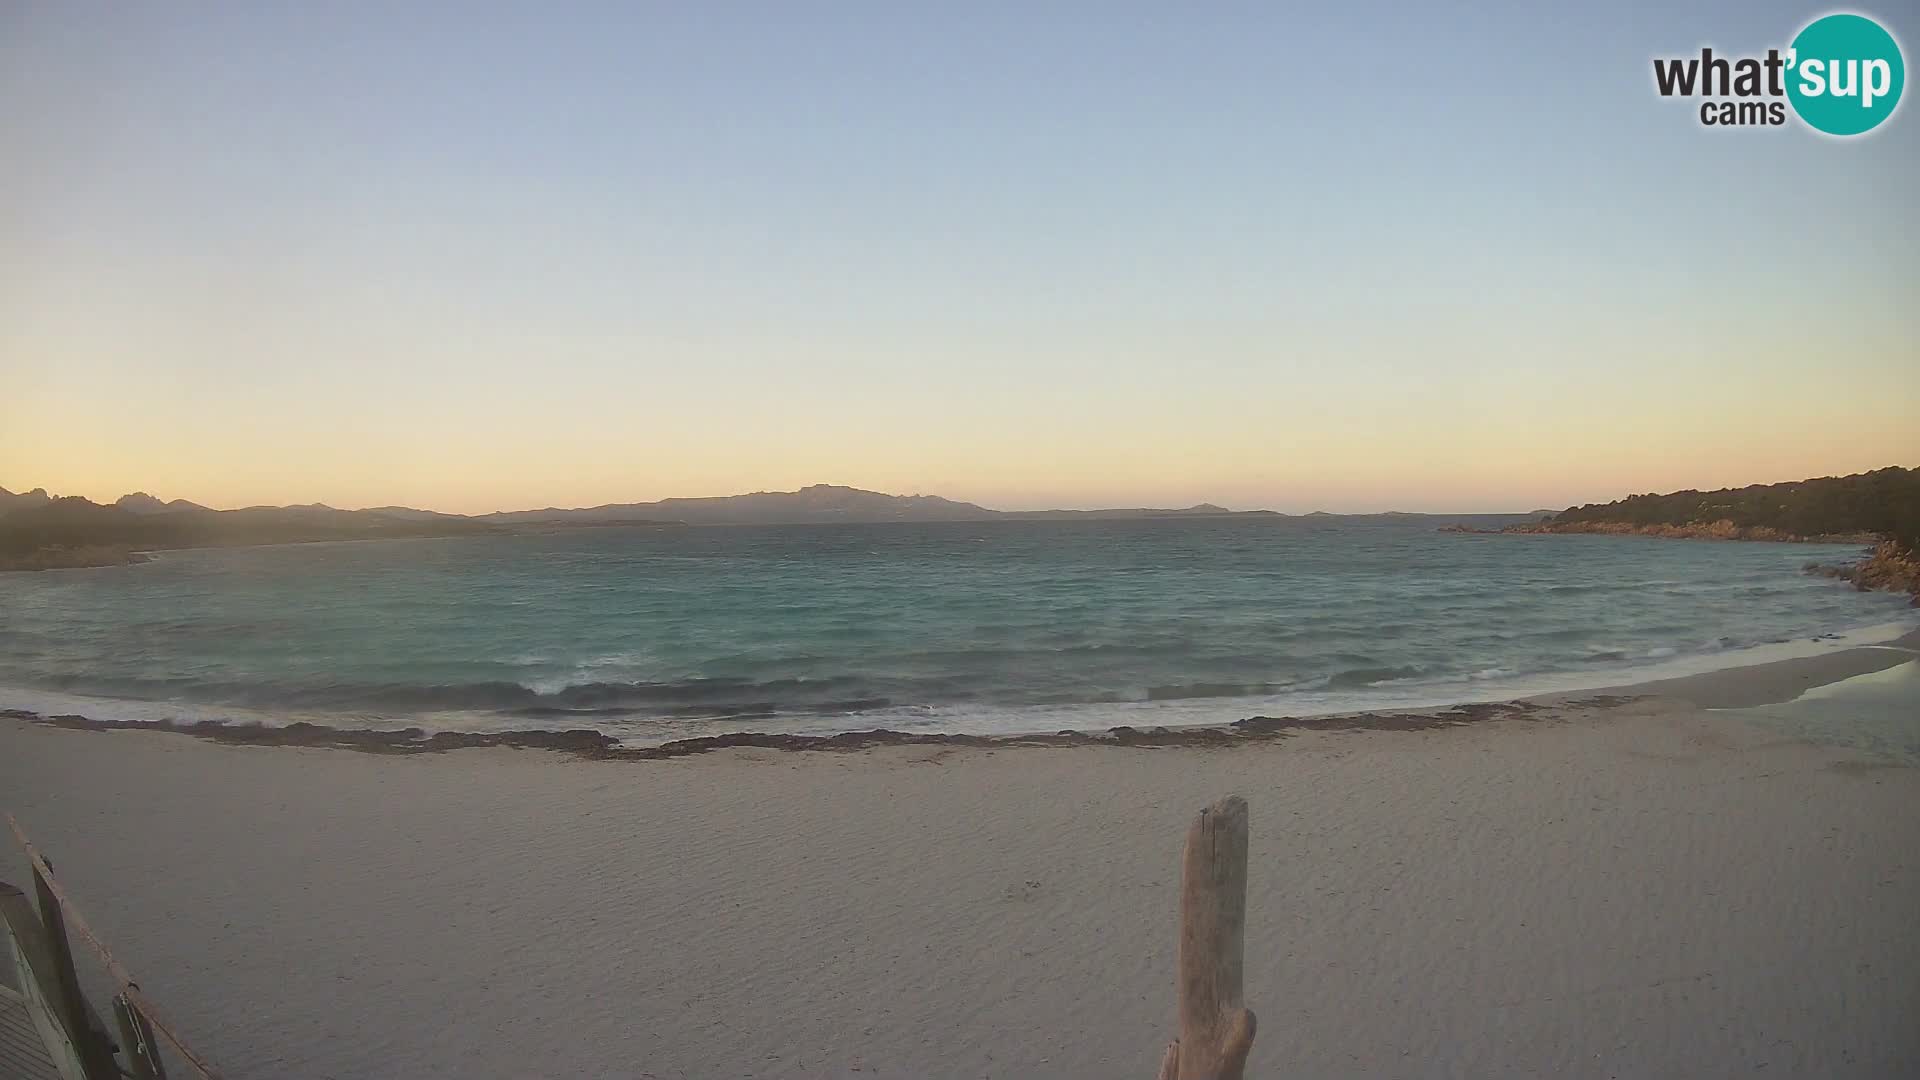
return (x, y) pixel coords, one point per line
(77, 1039)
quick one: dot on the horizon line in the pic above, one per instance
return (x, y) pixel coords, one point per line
(51, 494)
(1541, 509)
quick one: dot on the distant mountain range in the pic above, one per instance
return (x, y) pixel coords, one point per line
(138, 502)
(824, 503)
(38, 529)
(816, 504)
(810, 505)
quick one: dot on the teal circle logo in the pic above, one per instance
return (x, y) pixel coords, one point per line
(1845, 74)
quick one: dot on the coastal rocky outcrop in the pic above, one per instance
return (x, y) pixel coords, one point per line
(1722, 529)
(1888, 568)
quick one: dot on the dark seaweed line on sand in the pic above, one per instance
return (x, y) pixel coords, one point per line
(594, 744)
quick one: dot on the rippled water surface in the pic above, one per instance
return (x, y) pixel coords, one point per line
(655, 634)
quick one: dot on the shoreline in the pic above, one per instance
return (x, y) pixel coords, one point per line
(1722, 530)
(1646, 889)
(1883, 566)
(586, 742)
(1738, 686)
(109, 556)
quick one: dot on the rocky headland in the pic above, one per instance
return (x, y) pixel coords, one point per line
(1888, 568)
(1881, 508)
(1696, 530)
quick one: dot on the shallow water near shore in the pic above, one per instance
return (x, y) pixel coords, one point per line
(1877, 713)
(659, 634)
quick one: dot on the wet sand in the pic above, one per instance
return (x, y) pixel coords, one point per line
(1617, 885)
(1763, 684)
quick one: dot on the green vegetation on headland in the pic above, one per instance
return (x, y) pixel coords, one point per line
(1884, 504)
(1880, 507)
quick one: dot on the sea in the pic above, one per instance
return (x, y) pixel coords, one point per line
(654, 634)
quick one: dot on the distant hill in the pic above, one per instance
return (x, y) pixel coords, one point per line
(76, 531)
(1201, 510)
(26, 500)
(830, 503)
(408, 513)
(1883, 503)
(140, 502)
(820, 503)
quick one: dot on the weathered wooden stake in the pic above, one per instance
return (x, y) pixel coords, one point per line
(1216, 1031)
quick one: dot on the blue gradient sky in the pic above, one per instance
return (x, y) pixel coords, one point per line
(1352, 257)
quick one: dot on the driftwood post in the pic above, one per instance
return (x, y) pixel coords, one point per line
(1216, 1031)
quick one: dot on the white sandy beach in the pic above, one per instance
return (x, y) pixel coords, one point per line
(1649, 890)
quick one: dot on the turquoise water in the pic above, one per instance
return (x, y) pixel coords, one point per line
(1000, 626)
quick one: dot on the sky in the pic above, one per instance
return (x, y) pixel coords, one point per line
(1349, 257)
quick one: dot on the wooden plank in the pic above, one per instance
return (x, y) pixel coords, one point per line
(32, 963)
(1216, 1030)
(23, 1052)
(29, 940)
(37, 979)
(95, 1053)
(25, 949)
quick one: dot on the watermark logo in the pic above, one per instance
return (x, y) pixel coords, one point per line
(1841, 75)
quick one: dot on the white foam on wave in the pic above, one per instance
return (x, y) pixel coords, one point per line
(1491, 684)
(1200, 712)
(95, 707)
(632, 666)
